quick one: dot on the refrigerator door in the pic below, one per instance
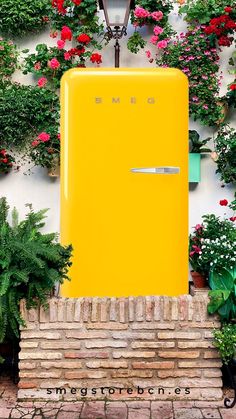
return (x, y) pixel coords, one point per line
(124, 181)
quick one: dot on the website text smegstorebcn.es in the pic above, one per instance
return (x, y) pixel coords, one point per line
(125, 391)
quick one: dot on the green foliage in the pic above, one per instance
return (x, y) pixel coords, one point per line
(204, 83)
(212, 245)
(37, 108)
(202, 11)
(223, 294)
(37, 63)
(84, 15)
(31, 263)
(8, 58)
(46, 154)
(135, 42)
(196, 144)
(18, 17)
(225, 147)
(225, 342)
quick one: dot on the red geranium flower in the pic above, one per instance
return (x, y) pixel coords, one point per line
(66, 33)
(83, 38)
(224, 41)
(96, 58)
(233, 86)
(228, 9)
(59, 4)
(232, 218)
(223, 202)
(77, 2)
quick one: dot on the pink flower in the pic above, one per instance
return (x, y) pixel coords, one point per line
(205, 107)
(60, 44)
(67, 56)
(44, 137)
(148, 54)
(37, 66)
(154, 39)
(42, 81)
(157, 15)
(196, 249)
(162, 44)
(35, 143)
(54, 63)
(198, 227)
(141, 13)
(157, 30)
(195, 99)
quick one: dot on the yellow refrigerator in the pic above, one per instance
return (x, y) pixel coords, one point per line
(124, 181)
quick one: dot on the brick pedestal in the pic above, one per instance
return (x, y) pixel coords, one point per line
(147, 348)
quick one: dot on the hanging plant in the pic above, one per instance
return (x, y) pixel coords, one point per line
(17, 18)
(8, 58)
(231, 93)
(225, 154)
(150, 13)
(192, 53)
(45, 150)
(78, 35)
(221, 29)
(37, 109)
(202, 11)
(6, 161)
(52, 62)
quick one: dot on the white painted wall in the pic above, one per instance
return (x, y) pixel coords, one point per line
(43, 192)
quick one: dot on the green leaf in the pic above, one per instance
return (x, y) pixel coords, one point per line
(222, 280)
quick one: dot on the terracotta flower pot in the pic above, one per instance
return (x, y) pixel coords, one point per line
(54, 171)
(199, 281)
(224, 111)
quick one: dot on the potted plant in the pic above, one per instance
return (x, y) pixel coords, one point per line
(225, 153)
(212, 245)
(225, 342)
(196, 147)
(6, 161)
(45, 151)
(189, 52)
(202, 11)
(153, 14)
(78, 36)
(31, 264)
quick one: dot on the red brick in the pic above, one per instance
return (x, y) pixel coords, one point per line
(27, 384)
(86, 354)
(153, 365)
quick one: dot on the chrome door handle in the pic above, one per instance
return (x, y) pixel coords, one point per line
(166, 170)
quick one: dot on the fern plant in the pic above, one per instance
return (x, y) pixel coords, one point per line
(31, 263)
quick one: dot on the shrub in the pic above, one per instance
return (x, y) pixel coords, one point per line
(31, 263)
(225, 148)
(18, 17)
(8, 58)
(37, 109)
